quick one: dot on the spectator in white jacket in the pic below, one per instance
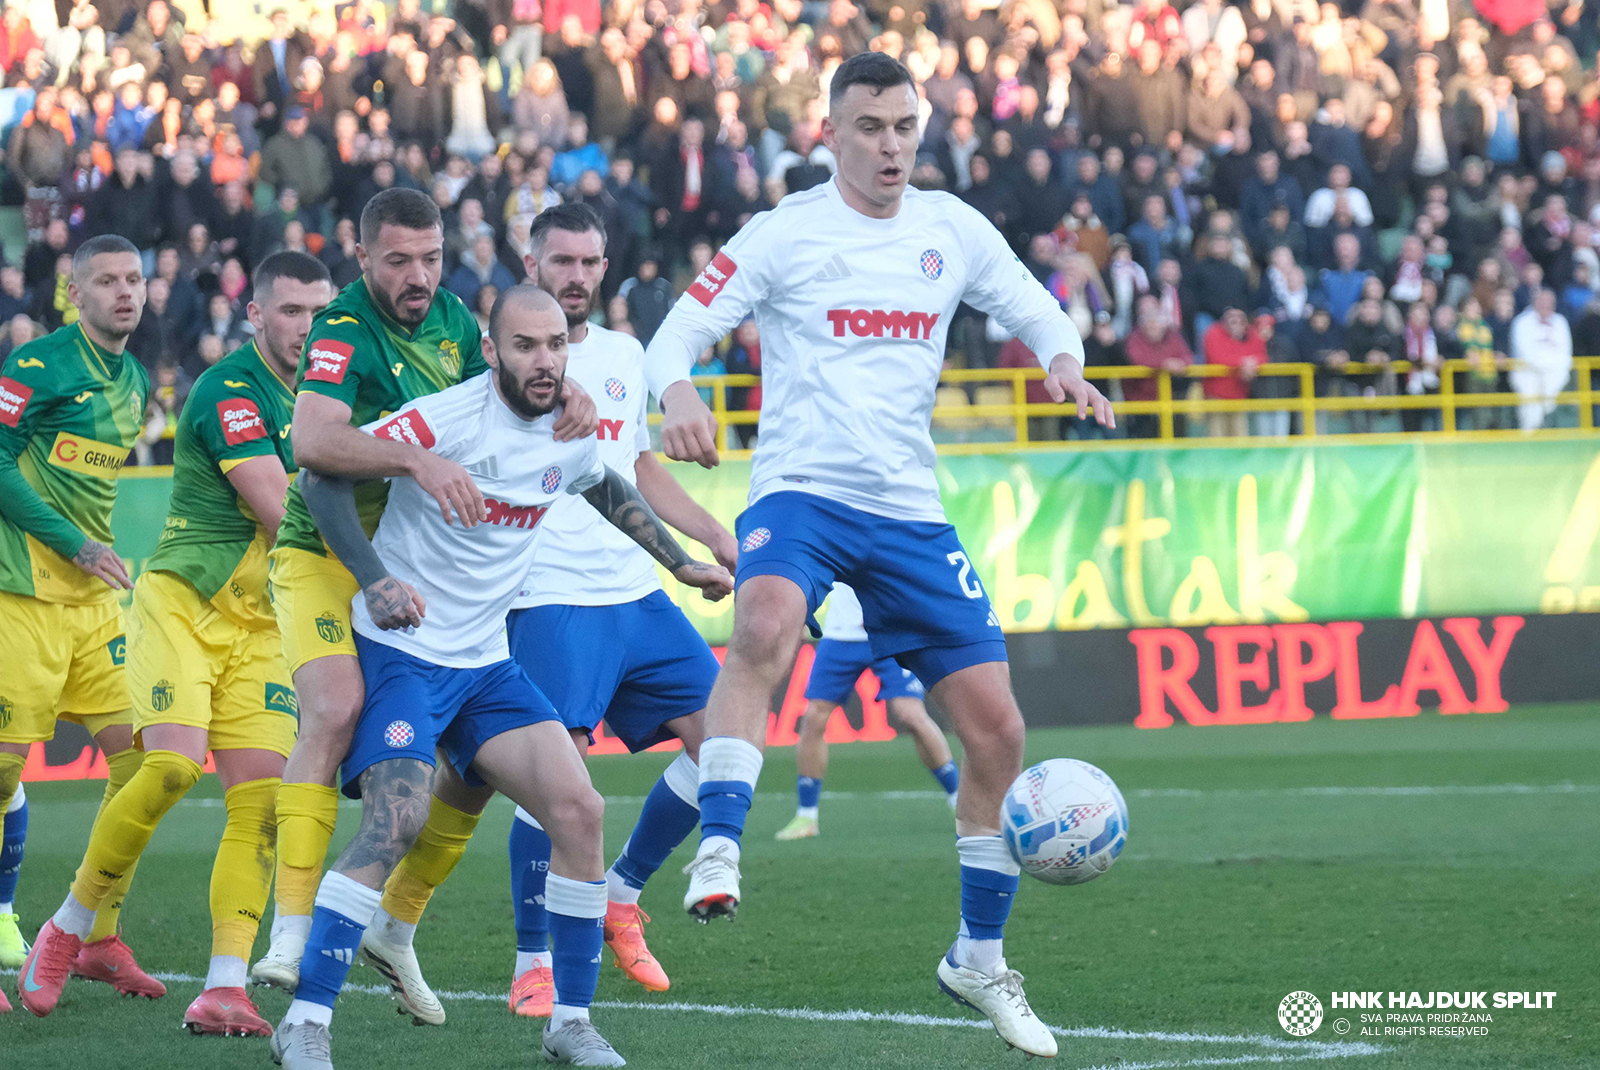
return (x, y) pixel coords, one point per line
(1541, 345)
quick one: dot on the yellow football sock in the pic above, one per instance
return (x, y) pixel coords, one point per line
(10, 777)
(128, 816)
(306, 816)
(241, 879)
(439, 847)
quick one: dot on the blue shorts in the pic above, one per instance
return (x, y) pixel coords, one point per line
(414, 707)
(921, 599)
(840, 663)
(636, 665)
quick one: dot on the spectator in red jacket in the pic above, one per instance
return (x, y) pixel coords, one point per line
(1233, 343)
(1158, 344)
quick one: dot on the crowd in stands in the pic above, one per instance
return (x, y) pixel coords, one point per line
(1363, 182)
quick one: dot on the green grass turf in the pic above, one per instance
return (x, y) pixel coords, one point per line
(1237, 887)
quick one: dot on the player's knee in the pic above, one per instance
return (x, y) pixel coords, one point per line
(328, 720)
(1003, 736)
(763, 639)
(578, 817)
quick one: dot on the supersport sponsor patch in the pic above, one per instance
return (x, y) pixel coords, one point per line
(714, 279)
(329, 360)
(241, 421)
(407, 426)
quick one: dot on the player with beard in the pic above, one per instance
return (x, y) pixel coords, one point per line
(595, 631)
(387, 339)
(205, 667)
(430, 628)
(71, 407)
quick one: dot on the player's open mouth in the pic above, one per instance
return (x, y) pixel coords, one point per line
(891, 174)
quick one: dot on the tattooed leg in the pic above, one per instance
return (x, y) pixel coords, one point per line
(394, 806)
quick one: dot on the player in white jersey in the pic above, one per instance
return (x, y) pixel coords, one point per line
(597, 635)
(842, 655)
(853, 284)
(439, 678)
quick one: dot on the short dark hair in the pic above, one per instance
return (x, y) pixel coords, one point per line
(875, 70)
(409, 208)
(301, 267)
(572, 216)
(100, 243)
(510, 294)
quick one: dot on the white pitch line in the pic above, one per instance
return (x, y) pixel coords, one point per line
(1297, 1050)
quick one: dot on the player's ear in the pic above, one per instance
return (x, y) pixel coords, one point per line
(491, 356)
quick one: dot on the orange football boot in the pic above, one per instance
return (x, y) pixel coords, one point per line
(225, 1012)
(625, 937)
(44, 974)
(533, 995)
(111, 961)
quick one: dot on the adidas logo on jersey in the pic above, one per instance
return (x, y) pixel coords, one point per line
(833, 269)
(486, 468)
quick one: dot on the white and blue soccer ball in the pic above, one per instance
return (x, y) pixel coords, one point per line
(1064, 821)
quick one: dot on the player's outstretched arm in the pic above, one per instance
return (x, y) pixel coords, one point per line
(674, 505)
(621, 503)
(392, 603)
(1066, 380)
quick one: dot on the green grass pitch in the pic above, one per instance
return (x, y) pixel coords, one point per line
(1261, 861)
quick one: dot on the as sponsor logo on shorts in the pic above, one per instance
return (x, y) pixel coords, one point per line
(13, 400)
(329, 360)
(615, 390)
(281, 699)
(881, 323)
(755, 540)
(86, 456)
(714, 279)
(551, 479)
(408, 426)
(6, 710)
(161, 696)
(240, 420)
(330, 628)
(399, 734)
(118, 649)
(513, 516)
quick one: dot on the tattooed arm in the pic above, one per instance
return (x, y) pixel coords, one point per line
(621, 503)
(392, 603)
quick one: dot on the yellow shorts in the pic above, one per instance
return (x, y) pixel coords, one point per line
(61, 661)
(311, 596)
(190, 665)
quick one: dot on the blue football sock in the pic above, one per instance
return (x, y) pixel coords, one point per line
(809, 791)
(948, 776)
(530, 865)
(989, 878)
(343, 910)
(11, 845)
(577, 930)
(729, 768)
(669, 815)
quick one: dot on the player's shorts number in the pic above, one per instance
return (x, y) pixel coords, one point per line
(965, 579)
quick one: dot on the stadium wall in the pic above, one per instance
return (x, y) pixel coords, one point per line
(1113, 569)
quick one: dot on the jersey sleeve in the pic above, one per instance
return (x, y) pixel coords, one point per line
(723, 294)
(590, 468)
(422, 423)
(28, 393)
(1000, 285)
(338, 356)
(226, 414)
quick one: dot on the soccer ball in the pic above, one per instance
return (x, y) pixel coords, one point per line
(1064, 821)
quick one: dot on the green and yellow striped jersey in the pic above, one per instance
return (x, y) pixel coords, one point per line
(360, 356)
(238, 410)
(70, 412)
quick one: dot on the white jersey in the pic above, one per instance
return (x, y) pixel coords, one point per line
(469, 576)
(844, 621)
(853, 313)
(582, 559)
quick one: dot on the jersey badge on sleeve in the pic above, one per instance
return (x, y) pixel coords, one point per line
(13, 400)
(714, 279)
(932, 264)
(329, 360)
(408, 426)
(241, 421)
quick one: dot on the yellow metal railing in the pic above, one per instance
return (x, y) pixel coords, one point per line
(1012, 415)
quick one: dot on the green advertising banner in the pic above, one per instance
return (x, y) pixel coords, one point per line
(1137, 538)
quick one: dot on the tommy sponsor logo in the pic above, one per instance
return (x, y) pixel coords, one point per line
(399, 734)
(241, 421)
(877, 322)
(609, 429)
(514, 516)
(714, 279)
(407, 427)
(551, 479)
(329, 360)
(13, 400)
(86, 456)
(756, 540)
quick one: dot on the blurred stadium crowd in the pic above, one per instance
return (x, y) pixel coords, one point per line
(1366, 182)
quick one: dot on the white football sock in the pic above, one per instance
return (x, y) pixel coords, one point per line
(985, 956)
(807, 811)
(532, 960)
(303, 1010)
(619, 890)
(298, 924)
(560, 1015)
(392, 929)
(74, 918)
(227, 971)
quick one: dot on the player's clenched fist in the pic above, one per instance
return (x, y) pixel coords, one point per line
(688, 430)
(451, 487)
(714, 581)
(394, 604)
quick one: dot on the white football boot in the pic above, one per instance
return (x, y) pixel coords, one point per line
(399, 966)
(713, 885)
(579, 1043)
(280, 966)
(998, 995)
(306, 1046)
